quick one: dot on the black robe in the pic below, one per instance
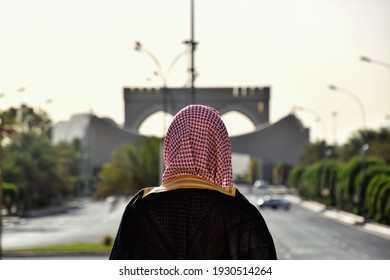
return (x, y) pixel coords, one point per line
(192, 223)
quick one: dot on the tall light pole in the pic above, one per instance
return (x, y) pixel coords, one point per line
(192, 45)
(370, 60)
(356, 98)
(139, 47)
(317, 115)
(381, 63)
(161, 74)
(334, 115)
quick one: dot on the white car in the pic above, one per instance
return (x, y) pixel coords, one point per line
(261, 184)
(274, 202)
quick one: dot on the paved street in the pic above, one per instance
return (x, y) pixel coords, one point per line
(304, 234)
(300, 233)
(87, 221)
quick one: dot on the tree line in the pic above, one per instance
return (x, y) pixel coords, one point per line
(36, 173)
(354, 177)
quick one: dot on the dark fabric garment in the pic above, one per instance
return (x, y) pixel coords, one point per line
(192, 224)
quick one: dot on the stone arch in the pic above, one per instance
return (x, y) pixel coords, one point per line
(152, 120)
(246, 125)
(281, 142)
(140, 103)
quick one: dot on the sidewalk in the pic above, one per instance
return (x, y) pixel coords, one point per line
(342, 216)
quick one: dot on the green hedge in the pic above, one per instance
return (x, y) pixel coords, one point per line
(318, 181)
(363, 181)
(295, 177)
(361, 186)
(281, 173)
(382, 212)
(347, 189)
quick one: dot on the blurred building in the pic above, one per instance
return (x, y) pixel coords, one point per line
(281, 142)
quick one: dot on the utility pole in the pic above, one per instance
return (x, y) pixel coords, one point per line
(192, 44)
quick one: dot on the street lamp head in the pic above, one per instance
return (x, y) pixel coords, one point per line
(365, 147)
(364, 58)
(332, 87)
(19, 90)
(138, 46)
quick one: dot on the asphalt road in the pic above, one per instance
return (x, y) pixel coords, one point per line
(85, 221)
(298, 233)
(302, 234)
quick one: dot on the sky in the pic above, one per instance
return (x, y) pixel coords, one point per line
(80, 55)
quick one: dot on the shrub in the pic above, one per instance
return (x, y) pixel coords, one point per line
(280, 173)
(348, 176)
(295, 177)
(382, 213)
(332, 170)
(363, 180)
(107, 240)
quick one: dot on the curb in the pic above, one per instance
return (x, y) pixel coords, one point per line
(342, 216)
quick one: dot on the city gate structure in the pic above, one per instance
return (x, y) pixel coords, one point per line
(271, 143)
(281, 142)
(141, 103)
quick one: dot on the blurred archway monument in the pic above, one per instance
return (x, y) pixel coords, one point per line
(280, 142)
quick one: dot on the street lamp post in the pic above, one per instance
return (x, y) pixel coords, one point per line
(140, 48)
(354, 96)
(364, 146)
(370, 60)
(160, 73)
(192, 45)
(334, 115)
(317, 115)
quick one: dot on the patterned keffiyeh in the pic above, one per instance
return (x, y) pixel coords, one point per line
(197, 143)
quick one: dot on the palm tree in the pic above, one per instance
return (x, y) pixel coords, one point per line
(131, 168)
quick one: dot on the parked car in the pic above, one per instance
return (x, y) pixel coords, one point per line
(261, 184)
(274, 202)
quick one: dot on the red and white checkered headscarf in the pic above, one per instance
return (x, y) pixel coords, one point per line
(197, 143)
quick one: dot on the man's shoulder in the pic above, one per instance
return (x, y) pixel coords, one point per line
(190, 182)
